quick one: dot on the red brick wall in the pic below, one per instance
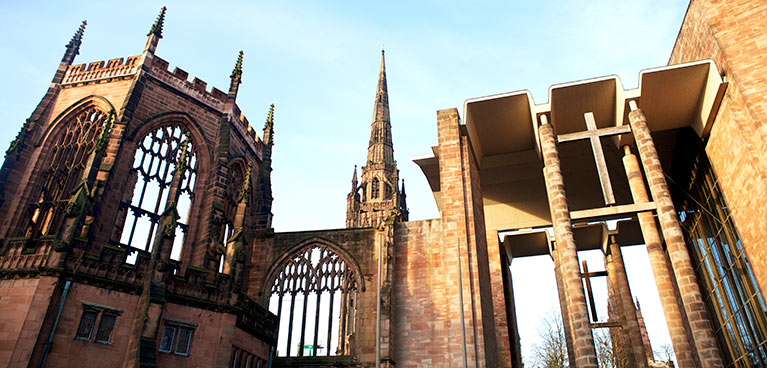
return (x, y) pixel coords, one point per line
(734, 35)
(23, 303)
(67, 351)
(422, 323)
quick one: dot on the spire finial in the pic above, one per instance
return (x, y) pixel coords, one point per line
(237, 72)
(77, 39)
(269, 126)
(157, 26)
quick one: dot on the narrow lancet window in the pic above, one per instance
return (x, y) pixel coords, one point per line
(375, 188)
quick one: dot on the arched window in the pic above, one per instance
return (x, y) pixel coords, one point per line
(387, 191)
(152, 174)
(69, 151)
(375, 189)
(314, 296)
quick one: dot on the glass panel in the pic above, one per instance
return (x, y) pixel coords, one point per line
(725, 276)
(168, 335)
(87, 321)
(184, 341)
(104, 333)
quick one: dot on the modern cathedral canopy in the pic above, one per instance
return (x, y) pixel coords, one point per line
(503, 131)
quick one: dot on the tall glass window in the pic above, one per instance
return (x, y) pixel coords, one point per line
(729, 288)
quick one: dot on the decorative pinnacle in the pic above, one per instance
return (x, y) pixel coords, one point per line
(245, 189)
(270, 117)
(77, 39)
(237, 72)
(157, 26)
(269, 126)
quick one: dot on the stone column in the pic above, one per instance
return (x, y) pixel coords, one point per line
(700, 324)
(660, 270)
(563, 306)
(620, 339)
(635, 351)
(583, 340)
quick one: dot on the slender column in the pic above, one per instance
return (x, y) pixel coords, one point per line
(636, 351)
(660, 270)
(583, 340)
(563, 306)
(620, 339)
(700, 324)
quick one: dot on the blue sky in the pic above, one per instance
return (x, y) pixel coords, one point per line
(318, 63)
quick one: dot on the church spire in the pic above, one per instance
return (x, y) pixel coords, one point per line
(377, 196)
(380, 149)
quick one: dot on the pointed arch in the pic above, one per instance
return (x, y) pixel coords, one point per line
(313, 289)
(92, 101)
(157, 143)
(65, 147)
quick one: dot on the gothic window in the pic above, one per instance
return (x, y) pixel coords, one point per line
(314, 297)
(387, 191)
(69, 152)
(374, 188)
(724, 273)
(154, 164)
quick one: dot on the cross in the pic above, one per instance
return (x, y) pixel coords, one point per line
(593, 135)
(586, 276)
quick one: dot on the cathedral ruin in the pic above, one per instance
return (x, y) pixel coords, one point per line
(137, 220)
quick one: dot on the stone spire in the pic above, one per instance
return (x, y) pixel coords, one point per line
(380, 148)
(155, 33)
(73, 47)
(354, 179)
(236, 77)
(377, 196)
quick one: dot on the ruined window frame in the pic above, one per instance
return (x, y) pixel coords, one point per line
(283, 282)
(169, 136)
(66, 154)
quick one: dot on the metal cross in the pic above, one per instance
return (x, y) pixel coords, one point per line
(593, 135)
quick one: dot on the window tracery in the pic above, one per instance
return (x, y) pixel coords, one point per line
(152, 173)
(375, 188)
(69, 152)
(314, 296)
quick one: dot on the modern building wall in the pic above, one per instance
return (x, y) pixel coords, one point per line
(732, 33)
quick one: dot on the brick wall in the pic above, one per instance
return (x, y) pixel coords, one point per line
(23, 303)
(734, 35)
(422, 324)
(68, 351)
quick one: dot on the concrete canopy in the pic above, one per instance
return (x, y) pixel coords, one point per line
(502, 130)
